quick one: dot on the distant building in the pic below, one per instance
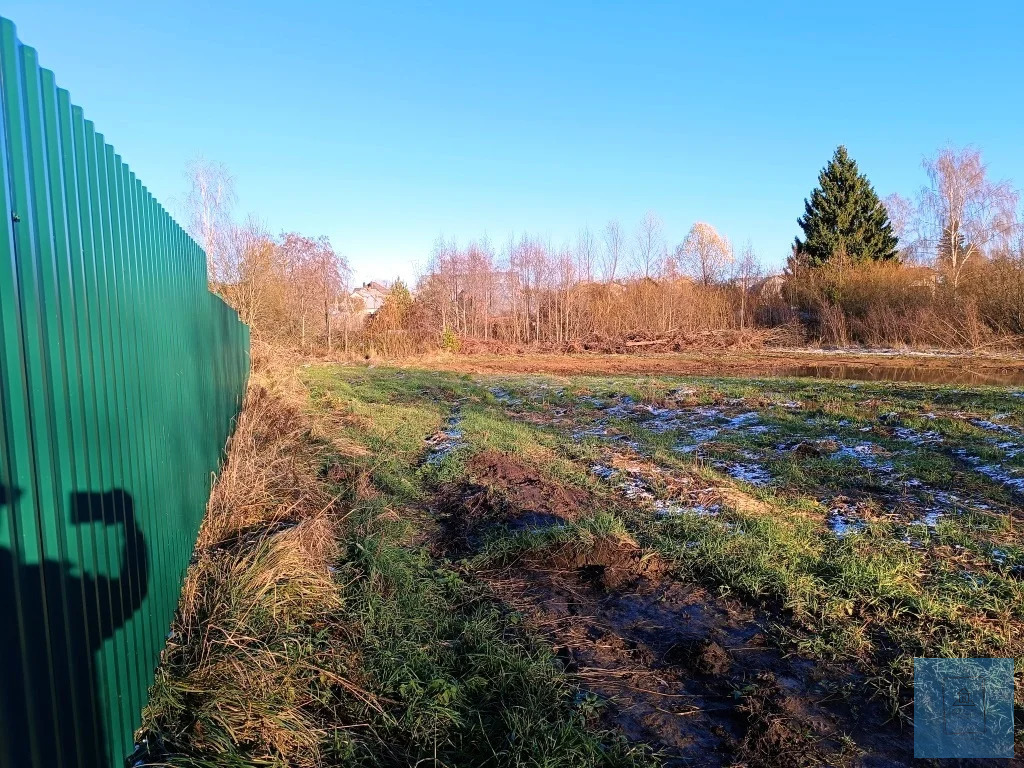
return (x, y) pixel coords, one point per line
(924, 277)
(370, 297)
(770, 287)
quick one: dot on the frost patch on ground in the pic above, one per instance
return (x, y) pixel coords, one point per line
(951, 501)
(1010, 478)
(1012, 450)
(629, 485)
(743, 420)
(842, 525)
(993, 426)
(999, 474)
(635, 488)
(447, 439)
(1013, 447)
(915, 437)
(675, 509)
(865, 454)
(505, 397)
(601, 431)
(698, 437)
(651, 417)
(700, 424)
(751, 473)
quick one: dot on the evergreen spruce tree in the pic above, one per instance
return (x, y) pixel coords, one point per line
(953, 247)
(845, 216)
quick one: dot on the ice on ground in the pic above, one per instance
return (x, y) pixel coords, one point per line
(697, 438)
(1011, 478)
(864, 454)
(630, 485)
(675, 509)
(446, 440)
(914, 437)
(946, 501)
(700, 424)
(744, 419)
(504, 397)
(992, 426)
(604, 432)
(747, 472)
(843, 525)
(1002, 476)
(635, 488)
(973, 579)
(1012, 450)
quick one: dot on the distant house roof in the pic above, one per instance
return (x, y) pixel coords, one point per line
(372, 294)
(770, 287)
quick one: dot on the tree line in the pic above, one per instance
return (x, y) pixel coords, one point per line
(945, 268)
(289, 288)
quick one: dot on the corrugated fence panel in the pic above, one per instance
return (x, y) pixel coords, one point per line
(120, 379)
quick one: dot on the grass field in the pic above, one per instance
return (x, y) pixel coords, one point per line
(626, 570)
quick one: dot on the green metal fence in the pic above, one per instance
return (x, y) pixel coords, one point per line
(120, 378)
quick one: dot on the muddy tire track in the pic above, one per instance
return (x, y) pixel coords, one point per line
(694, 676)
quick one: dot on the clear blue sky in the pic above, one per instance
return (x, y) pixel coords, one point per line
(384, 125)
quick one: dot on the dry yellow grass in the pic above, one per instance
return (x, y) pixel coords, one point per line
(248, 645)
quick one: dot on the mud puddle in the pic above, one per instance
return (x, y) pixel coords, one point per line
(914, 374)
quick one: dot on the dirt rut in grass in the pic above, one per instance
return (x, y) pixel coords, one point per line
(504, 492)
(692, 675)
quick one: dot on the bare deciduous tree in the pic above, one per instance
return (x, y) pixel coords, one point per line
(746, 271)
(612, 253)
(315, 275)
(963, 215)
(705, 254)
(901, 216)
(258, 288)
(649, 248)
(208, 205)
(330, 276)
(586, 254)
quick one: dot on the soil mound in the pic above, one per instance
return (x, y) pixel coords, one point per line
(503, 492)
(608, 562)
(524, 490)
